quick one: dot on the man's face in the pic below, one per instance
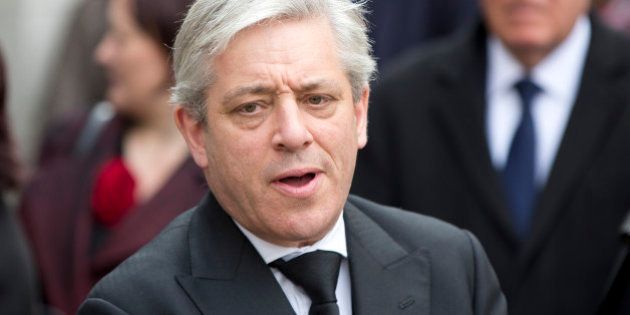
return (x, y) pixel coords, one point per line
(282, 133)
(533, 27)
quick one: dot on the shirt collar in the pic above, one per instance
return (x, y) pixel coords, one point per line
(558, 74)
(334, 241)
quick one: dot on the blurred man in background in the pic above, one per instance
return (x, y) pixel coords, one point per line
(519, 130)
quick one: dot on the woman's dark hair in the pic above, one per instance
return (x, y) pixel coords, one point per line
(8, 164)
(161, 19)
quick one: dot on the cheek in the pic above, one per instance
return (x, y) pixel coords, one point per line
(227, 174)
(236, 155)
(145, 67)
(491, 10)
(151, 75)
(339, 139)
(563, 22)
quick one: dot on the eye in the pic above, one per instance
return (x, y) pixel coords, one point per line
(320, 105)
(249, 108)
(317, 99)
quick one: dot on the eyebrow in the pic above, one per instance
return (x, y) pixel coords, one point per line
(321, 83)
(263, 89)
(257, 89)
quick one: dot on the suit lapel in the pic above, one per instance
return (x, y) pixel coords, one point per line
(597, 110)
(228, 276)
(461, 115)
(385, 278)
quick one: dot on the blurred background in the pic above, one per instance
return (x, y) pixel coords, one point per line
(48, 47)
(32, 37)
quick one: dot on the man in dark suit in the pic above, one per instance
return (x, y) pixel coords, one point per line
(273, 105)
(518, 130)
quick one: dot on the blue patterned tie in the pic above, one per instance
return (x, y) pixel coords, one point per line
(518, 175)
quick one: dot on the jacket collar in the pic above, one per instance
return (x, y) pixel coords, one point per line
(228, 276)
(385, 278)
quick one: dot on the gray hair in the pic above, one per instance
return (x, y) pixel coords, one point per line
(210, 25)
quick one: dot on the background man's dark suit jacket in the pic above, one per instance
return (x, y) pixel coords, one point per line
(427, 150)
(400, 263)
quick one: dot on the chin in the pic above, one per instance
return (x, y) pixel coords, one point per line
(116, 100)
(308, 227)
(528, 42)
(304, 236)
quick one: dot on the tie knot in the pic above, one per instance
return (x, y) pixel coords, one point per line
(527, 89)
(316, 272)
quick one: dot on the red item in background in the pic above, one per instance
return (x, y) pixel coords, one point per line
(113, 194)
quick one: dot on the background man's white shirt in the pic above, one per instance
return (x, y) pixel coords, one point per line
(558, 75)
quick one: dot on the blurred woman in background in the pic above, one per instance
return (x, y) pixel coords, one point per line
(112, 181)
(16, 274)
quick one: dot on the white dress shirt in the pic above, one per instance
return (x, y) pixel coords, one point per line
(558, 75)
(334, 241)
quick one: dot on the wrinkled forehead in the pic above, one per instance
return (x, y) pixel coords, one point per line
(261, 57)
(296, 45)
(274, 22)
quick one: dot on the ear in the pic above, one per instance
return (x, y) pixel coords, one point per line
(360, 112)
(194, 132)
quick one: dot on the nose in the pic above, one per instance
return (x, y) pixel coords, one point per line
(291, 131)
(104, 51)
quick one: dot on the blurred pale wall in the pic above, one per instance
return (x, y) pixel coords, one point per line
(31, 33)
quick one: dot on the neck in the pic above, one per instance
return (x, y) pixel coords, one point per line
(530, 58)
(157, 118)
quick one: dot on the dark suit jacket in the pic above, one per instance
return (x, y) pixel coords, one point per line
(400, 263)
(427, 150)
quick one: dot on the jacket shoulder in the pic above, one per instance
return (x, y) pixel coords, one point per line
(459, 266)
(412, 229)
(425, 59)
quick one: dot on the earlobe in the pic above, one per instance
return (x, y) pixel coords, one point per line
(361, 115)
(194, 134)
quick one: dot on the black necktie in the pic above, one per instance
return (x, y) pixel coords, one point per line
(518, 175)
(316, 272)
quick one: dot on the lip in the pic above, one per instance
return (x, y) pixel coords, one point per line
(298, 190)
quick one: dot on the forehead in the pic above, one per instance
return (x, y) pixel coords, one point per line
(120, 14)
(280, 50)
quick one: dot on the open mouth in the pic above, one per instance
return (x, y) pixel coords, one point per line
(298, 181)
(299, 184)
